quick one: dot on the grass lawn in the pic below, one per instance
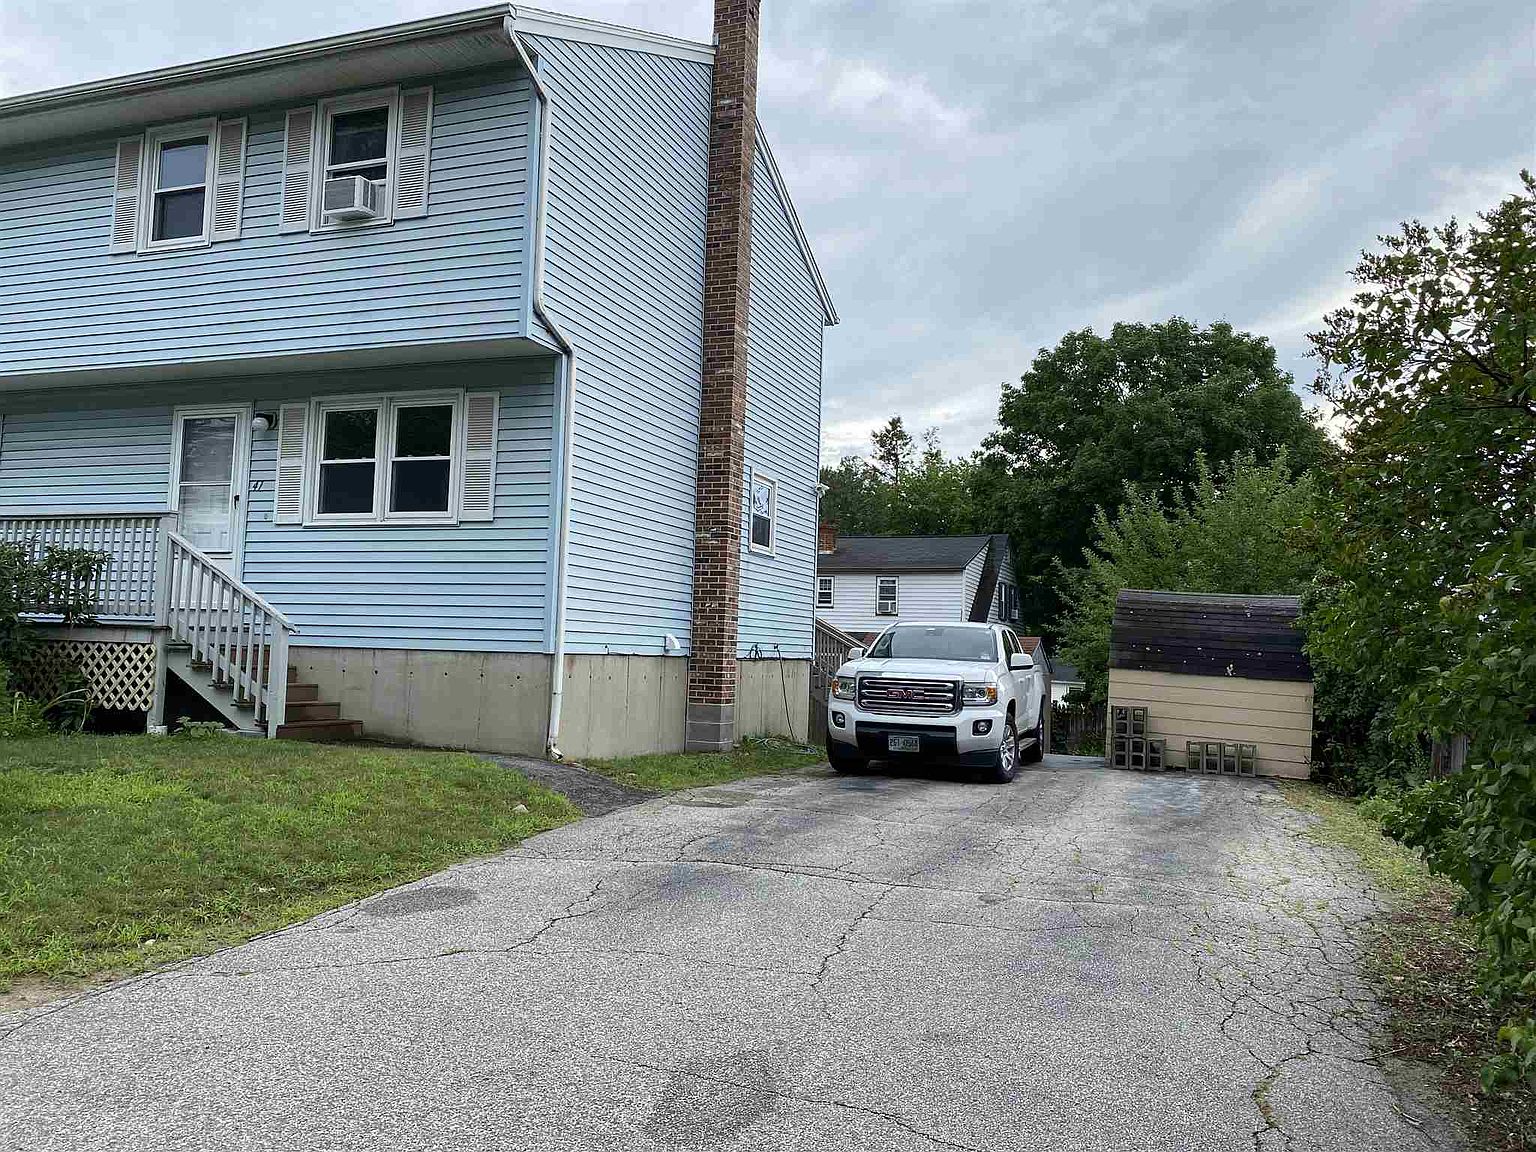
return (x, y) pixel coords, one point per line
(1424, 958)
(672, 772)
(121, 852)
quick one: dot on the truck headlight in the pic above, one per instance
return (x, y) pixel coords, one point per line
(842, 687)
(978, 695)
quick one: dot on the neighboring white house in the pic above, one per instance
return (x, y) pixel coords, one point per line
(865, 583)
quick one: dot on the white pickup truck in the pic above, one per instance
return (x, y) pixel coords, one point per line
(961, 694)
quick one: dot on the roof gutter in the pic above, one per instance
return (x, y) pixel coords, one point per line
(568, 397)
(483, 19)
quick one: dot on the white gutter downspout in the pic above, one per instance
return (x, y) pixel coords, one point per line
(568, 407)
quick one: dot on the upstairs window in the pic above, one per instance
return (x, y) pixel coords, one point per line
(180, 169)
(765, 511)
(885, 596)
(826, 592)
(178, 186)
(357, 161)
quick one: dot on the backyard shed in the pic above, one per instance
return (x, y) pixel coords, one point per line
(1215, 668)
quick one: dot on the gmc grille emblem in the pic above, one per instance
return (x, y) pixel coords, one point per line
(901, 694)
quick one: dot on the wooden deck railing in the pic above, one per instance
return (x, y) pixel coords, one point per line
(241, 637)
(130, 541)
(154, 577)
(831, 650)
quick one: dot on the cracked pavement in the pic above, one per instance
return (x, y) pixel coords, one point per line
(1084, 959)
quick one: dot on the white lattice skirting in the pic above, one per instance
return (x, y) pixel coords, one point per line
(121, 675)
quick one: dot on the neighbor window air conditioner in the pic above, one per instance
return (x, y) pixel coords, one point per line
(351, 198)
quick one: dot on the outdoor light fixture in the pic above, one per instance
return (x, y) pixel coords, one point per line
(263, 422)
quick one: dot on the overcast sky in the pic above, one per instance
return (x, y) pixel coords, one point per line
(979, 177)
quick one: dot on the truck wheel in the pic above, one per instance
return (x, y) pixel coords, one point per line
(1007, 765)
(1036, 738)
(842, 761)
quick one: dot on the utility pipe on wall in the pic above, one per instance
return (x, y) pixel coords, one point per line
(568, 406)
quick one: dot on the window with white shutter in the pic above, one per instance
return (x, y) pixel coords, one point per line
(298, 170)
(410, 458)
(228, 179)
(125, 195)
(292, 442)
(413, 153)
(477, 492)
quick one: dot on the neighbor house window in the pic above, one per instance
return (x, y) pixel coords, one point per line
(885, 596)
(765, 512)
(179, 171)
(826, 588)
(389, 460)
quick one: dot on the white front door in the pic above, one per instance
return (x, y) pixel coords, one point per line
(208, 481)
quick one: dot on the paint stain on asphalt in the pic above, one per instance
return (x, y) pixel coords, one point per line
(414, 900)
(711, 1101)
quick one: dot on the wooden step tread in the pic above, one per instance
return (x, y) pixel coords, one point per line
(320, 730)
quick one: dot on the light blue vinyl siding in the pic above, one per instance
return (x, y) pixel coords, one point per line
(783, 430)
(628, 185)
(117, 458)
(456, 274)
(471, 587)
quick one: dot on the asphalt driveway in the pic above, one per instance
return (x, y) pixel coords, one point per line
(1082, 960)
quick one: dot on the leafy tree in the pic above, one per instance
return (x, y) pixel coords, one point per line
(1141, 406)
(1428, 533)
(905, 493)
(1234, 530)
(893, 451)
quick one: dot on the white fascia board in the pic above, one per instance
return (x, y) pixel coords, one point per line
(558, 26)
(828, 310)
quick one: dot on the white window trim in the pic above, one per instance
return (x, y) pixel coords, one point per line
(895, 599)
(325, 110)
(831, 585)
(149, 165)
(239, 480)
(387, 407)
(773, 514)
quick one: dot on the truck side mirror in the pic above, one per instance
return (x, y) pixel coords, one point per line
(1021, 662)
(855, 653)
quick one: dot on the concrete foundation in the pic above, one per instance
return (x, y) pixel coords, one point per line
(709, 727)
(499, 702)
(489, 701)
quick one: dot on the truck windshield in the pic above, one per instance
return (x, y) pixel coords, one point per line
(919, 642)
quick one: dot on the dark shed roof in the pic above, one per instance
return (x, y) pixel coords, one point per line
(1201, 634)
(901, 553)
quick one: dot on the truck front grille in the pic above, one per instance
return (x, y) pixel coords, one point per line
(898, 696)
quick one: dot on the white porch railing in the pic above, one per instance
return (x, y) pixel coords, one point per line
(156, 578)
(230, 628)
(126, 587)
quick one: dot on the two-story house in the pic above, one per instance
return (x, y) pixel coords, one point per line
(865, 583)
(458, 379)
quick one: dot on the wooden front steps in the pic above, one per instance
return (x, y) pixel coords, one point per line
(310, 718)
(307, 717)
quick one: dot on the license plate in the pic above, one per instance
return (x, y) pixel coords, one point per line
(894, 743)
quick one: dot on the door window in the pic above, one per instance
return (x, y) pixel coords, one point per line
(203, 482)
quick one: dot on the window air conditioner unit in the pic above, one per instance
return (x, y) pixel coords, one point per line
(351, 198)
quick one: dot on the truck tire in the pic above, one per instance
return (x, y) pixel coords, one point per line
(842, 761)
(1007, 764)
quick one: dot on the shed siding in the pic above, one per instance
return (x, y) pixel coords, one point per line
(471, 587)
(1275, 715)
(456, 274)
(624, 276)
(783, 430)
(919, 596)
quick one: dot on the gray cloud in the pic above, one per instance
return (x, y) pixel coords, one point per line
(979, 178)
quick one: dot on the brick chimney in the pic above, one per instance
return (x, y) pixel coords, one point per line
(826, 538)
(711, 713)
